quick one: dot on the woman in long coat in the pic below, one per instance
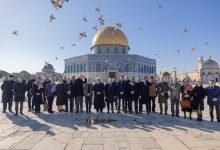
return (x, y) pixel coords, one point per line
(37, 91)
(198, 99)
(19, 92)
(99, 102)
(60, 93)
(186, 91)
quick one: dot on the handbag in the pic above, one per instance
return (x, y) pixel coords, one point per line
(45, 106)
(185, 104)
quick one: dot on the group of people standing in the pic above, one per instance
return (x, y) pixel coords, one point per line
(120, 96)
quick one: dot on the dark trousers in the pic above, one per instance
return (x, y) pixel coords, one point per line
(175, 106)
(9, 104)
(88, 100)
(141, 107)
(108, 105)
(50, 103)
(116, 103)
(30, 104)
(217, 109)
(67, 101)
(119, 104)
(135, 104)
(152, 102)
(37, 108)
(79, 103)
(21, 106)
(166, 106)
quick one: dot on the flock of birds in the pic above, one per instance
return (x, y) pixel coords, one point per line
(58, 4)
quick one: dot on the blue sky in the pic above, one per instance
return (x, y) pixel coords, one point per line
(161, 31)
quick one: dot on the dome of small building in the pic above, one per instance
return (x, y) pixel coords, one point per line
(210, 64)
(166, 74)
(110, 36)
(48, 68)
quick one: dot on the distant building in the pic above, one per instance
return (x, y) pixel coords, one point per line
(48, 70)
(206, 70)
(110, 58)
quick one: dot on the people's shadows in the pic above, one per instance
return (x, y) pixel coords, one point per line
(30, 123)
(144, 122)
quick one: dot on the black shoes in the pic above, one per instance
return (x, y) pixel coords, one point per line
(3, 111)
(16, 114)
(173, 115)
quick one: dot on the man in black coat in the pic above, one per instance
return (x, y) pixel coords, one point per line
(133, 95)
(29, 86)
(46, 81)
(19, 92)
(127, 81)
(121, 90)
(7, 93)
(99, 89)
(110, 92)
(114, 82)
(144, 94)
(79, 93)
(68, 95)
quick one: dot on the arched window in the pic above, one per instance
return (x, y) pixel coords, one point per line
(116, 50)
(81, 67)
(71, 69)
(139, 68)
(148, 69)
(144, 68)
(74, 68)
(98, 67)
(77, 68)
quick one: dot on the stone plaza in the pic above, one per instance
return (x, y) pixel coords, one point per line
(95, 131)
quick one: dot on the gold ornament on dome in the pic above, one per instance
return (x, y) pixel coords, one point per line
(110, 36)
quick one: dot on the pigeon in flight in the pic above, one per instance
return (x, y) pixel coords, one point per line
(95, 28)
(56, 58)
(82, 35)
(178, 51)
(97, 9)
(61, 47)
(52, 17)
(74, 44)
(101, 20)
(206, 43)
(15, 32)
(193, 49)
(160, 6)
(85, 19)
(186, 30)
(58, 3)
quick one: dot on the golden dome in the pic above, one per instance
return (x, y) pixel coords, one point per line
(110, 36)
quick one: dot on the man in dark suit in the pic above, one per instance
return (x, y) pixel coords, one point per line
(121, 90)
(7, 93)
(213, 94)
(79, 93)
(127, 81)
(133, 95)
(110, 92)
(144, 94)
(29, 95)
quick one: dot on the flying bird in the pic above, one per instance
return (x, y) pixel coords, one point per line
(15, 32)
(156, 54)
(52, 17)
(58, 3)
(56, 58)
(118, 25)
(95, 28)
(82, 35)
(186, 30)
(178, 51)
(85, 19)
(206, 43)
(139, 28)
(193, 49)
(97, 9)
(101, 20)
(74, 44)
(61, 47)
(160, 6)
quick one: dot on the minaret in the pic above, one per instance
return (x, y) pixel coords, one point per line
(200, 63)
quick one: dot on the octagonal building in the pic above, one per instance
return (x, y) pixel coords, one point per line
(110, 58)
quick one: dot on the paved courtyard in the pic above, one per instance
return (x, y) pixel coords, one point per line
(112, 131)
